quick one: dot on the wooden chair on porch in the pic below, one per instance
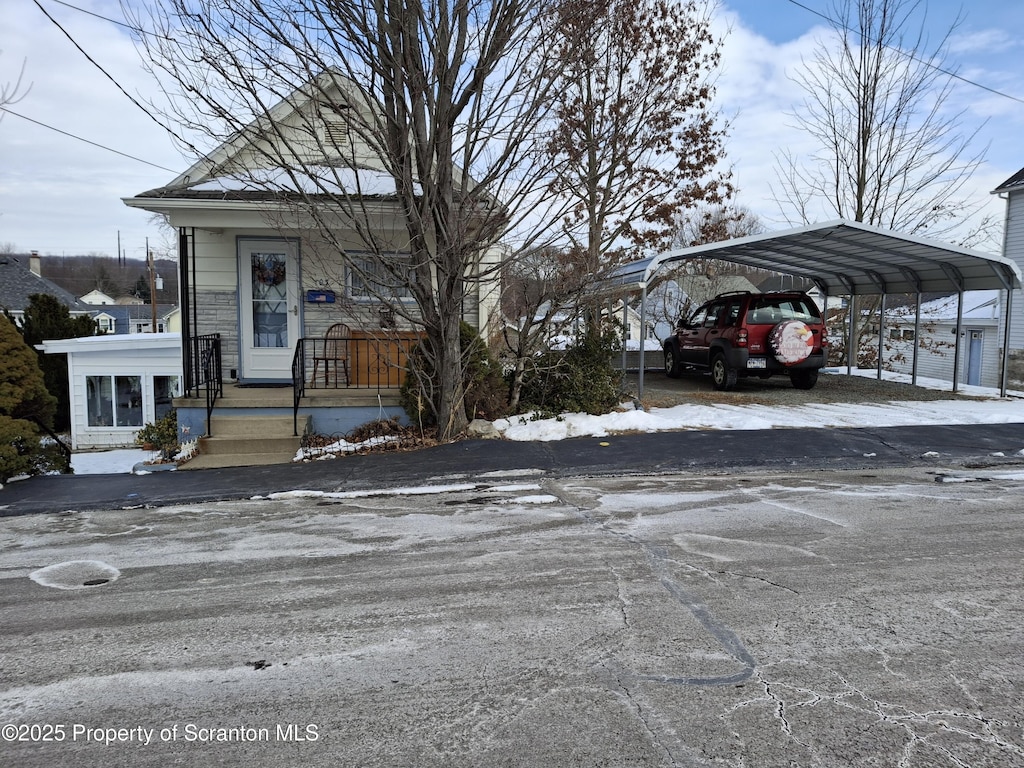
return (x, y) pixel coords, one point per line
(333, 352)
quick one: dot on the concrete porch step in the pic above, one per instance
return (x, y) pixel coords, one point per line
(255, 426)
(219, 461)
(247, 445)
(248, 441)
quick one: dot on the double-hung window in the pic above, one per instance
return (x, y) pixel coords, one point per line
(379, 277)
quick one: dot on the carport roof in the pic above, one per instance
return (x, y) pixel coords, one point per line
(844, 257)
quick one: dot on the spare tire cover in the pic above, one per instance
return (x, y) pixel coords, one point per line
(791, 341)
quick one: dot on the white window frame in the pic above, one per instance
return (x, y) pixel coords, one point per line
(354, 282)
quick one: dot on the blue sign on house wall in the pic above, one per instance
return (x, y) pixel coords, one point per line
(320, 297)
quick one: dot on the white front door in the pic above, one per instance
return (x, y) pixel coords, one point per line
(268, 285)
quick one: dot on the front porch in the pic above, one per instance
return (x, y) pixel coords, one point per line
(337, 384)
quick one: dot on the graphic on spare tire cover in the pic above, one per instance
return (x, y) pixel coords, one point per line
(791, 341)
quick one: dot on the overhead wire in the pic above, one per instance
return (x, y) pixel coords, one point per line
(949, 73)
(113, 80)
(10, 111)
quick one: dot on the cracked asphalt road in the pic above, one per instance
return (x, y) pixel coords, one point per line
(862, 617)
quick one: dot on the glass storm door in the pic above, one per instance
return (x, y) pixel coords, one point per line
(269, 308)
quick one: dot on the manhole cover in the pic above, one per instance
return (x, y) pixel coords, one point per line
(75, 574)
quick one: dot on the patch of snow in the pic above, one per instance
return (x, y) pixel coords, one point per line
(118, 461)
(75, 574)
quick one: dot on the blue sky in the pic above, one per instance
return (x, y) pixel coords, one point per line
(59, 195)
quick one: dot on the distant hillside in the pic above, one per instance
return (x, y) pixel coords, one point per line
(81, 274)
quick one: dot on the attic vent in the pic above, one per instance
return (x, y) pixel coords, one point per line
(336, 132)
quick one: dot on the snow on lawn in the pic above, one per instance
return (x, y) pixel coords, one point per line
(114, 462)
(757, 416)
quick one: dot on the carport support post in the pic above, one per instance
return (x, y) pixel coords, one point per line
(625, 330)
(1006, 342)
(850, 326)
(917, 337)
(959, 330)
(881, 336)
(643, 334)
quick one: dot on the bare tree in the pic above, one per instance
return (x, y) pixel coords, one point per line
(636, 140)
(12, 92)
(891, 153)
(446, 96)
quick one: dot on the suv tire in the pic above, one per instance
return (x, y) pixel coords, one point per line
(723, 377)
(805, 378)
(673, 368)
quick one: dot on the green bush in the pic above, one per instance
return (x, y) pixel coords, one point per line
(485, 389)
(24, 404)
(578, 379)
(162, 434)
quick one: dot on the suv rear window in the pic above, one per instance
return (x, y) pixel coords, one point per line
(768, 310)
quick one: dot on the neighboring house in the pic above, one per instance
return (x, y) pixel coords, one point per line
(137, 318)
(118, 384)
(1012, 190)
(980, 339)
(20, 278)
(260, 286)
(97, 297)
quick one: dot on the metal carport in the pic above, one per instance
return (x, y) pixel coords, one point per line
(849, 258)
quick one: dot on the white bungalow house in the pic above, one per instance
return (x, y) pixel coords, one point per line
(273, 229)
(118, 384)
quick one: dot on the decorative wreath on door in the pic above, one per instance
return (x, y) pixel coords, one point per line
(268, 270)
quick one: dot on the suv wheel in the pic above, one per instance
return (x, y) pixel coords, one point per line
(805, 378)
(672, 366)
(722, 376)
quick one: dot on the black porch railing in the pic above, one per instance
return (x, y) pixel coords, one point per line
(203, 371)
(360, 361)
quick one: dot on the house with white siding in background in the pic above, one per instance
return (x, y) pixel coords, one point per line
(1012, 190)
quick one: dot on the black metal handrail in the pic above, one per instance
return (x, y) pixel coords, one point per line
(207, 370)
(298, 382)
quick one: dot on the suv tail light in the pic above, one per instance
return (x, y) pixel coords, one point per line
(741, 337)
(824, 336)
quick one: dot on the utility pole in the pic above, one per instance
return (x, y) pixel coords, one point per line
(155, 282)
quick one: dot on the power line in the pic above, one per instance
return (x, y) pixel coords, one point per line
(87, 141)
(137, 30)
(839, 25)
(110, 77)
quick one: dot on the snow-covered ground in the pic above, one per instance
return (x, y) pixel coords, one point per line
(721, 416)
(757, 416)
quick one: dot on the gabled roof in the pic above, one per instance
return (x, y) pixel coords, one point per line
(1012, 184)
(18, 282)
(846, 257)
(228, 173)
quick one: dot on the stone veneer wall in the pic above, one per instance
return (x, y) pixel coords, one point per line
(217, 312)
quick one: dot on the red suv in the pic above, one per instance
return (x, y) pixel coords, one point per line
(751, 334)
